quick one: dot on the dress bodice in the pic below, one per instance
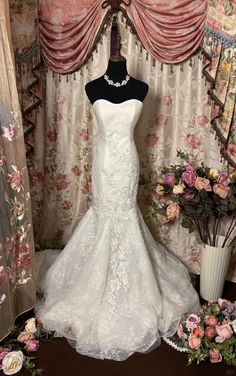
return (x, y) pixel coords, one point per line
(117, 119)
(115, 161)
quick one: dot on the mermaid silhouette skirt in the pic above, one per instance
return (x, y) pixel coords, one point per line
(113, 290)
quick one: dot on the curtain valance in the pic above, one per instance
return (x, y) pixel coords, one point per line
(170, 31)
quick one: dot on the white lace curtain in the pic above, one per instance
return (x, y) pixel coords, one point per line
(176, 114)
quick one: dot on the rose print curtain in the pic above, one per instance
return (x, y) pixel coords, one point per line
(17, 291)
(176, 114)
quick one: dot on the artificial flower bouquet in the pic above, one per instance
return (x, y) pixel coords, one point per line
(15, 349)
(204, 196)
(208, 335)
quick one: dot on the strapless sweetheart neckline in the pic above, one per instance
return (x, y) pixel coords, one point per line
(106, 100)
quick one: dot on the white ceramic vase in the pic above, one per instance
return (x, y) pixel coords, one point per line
(214, 267)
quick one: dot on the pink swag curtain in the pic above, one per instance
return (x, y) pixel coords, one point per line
(170, 31)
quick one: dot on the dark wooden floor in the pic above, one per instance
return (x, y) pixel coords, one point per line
(59, 359)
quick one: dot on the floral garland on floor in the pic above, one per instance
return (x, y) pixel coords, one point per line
(15, 348)
(208, 335)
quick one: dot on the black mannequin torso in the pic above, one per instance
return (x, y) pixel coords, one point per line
(117, 72)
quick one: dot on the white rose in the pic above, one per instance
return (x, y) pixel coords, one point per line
(12, 362)
(178, 189)
(30, 326)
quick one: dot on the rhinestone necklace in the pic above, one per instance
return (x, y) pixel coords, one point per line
(116, 84)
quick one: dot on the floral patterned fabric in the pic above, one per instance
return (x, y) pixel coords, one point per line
(220, 46)
(17, 290)
(176, 114)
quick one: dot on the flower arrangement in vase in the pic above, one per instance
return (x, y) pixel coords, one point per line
(206, 200)
(203, 196)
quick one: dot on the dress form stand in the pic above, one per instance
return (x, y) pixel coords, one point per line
(116, 85)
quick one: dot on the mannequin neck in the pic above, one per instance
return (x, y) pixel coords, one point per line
(116, 70)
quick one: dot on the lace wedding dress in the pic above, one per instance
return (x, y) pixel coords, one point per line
(114, 290)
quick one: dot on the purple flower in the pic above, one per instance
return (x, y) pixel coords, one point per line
(223, 179)
(228, 308)
(3, 352)
(170, 178)
(190, 168)
(192, 321)
(189, 177)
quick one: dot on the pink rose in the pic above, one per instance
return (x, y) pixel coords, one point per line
(192, 321)
(23, 256)
(202, 183)
(198, 331)
(66, 205)
(210, 331)
(193, 140)
(84, 134)
(189, 177)
(195, 256)
(173, 211)
(151, 140)
(206, 100)
(188, 195)
(85, 188)
(180, 331)
(215, 356)
(61, 99)
(10, 132)
(58, 117)
(223, 179)
(32, 345)
(232, 148)
(190, 168)
(15, 180)
(3, 352)
(61, 182)
(167, 100)
(161, 120)
(202, 121)
(170, 178)
(77, 170)
(224, 331)
(25, 336)
(52, 135)
(36, 178)
(194, 342)
(211, 320)
(221, 190)
(220, 9)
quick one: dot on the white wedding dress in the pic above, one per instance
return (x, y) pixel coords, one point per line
(113, 290)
